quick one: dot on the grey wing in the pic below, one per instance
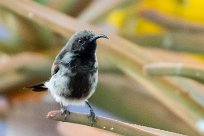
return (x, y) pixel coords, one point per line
(55, 68)
(57, 65)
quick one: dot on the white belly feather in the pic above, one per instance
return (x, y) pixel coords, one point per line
(58, 83)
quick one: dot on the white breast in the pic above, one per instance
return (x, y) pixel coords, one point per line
(94, 80)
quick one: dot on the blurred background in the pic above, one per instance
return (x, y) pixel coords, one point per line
(151, 70)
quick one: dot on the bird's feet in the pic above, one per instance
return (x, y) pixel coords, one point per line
(92, 116)
(65, 113)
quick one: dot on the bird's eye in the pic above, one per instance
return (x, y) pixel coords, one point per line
(80, 41)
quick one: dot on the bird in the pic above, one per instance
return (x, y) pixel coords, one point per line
(74, 72)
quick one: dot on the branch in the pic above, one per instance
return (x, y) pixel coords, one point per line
(164, 91)
(171, 23)
(195, 72)
(109, 124)
(185, 42)
(23, 69)
(98, 8)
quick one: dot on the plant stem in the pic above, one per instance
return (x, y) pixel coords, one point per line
(192, 71)
(109, 124)
(171, 23)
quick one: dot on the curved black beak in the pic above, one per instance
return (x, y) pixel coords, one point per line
(98, 36)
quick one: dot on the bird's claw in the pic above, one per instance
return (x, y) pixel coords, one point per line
(92, 116)
(65, 112)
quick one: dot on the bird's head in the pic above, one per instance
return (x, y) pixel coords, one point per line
(84, 42)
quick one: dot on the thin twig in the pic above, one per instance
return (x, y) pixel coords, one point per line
(109, 124)
(97, 8)
(185, 42)
(192, 71)
(171, 23)
(23, 69)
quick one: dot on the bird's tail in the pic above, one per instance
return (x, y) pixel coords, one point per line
(38, 87)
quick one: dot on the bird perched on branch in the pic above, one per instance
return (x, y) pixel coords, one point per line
(74, 73)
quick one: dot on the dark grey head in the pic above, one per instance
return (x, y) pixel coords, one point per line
(84, 42)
